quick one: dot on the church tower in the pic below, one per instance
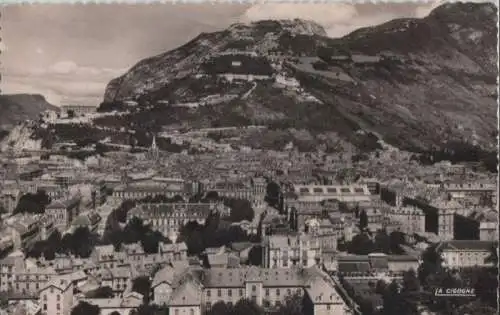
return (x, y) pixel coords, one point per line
(153, 152)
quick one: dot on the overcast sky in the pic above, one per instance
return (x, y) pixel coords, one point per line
(69, 53)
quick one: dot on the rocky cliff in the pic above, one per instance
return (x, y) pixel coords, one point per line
(16, 108)
(415, 83)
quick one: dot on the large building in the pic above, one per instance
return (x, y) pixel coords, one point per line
(483, 193)
(376, 265)
(63, 212)
(284, 251)
(78, 110)
(56, 297)
(463, 253)
(168, 218)
(439, 218)
(358, 194)
(194, 291)
(253, 189)
(412, 219)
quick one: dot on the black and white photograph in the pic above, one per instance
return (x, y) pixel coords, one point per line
(249, 158)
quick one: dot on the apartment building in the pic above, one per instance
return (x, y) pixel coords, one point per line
(63, 212)
(464, 253)
(194, 291)
(56, 297)
(284, 251)
(412, 219)
(169, 218)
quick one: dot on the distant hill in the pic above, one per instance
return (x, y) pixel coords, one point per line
(15, 108)
(415, 83)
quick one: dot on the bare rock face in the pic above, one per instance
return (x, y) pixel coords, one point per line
(16, 108)
(416, 83)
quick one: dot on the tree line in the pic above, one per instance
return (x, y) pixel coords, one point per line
(363, 244)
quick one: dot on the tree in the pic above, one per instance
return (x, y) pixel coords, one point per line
(396, 240)
(394, 302)
(431, 264)
(382, 242)
(142, 285)
(485, 283)
(380, 286)
(151, 240)
(33, 203)
(360, 244)
(410, 281)
(241, 209)
(84, 308)
(255, 255)
(220, 308)
(363, 220)
(101, 293)
(146, 309)
(83, 242)
(212, 196)
(247, 307)
(293, 305)
(272, 194)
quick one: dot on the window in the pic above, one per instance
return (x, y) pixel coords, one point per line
(58, 297)
(267, 292)
(277, 292)
(45, 297)
(328, 307)
(229, 292)
(208, 306)
(58, 306)
(254, 288)
(241, 292)
(219, 292)
(288, 292)
(176, 312)
(191, 311)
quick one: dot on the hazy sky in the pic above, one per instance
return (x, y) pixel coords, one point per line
(69, 53)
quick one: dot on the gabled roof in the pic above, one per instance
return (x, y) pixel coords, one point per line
(470, 245)
(189, 293)
(62, 282)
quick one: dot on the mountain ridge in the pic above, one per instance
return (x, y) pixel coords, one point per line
(446, 62)
(414, 84)
(15, 108)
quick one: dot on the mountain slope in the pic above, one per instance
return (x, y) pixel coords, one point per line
(15, 108)
(415, 83)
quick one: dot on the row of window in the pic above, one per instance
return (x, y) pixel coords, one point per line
(229, 292)
(177, 312)
(254, 289)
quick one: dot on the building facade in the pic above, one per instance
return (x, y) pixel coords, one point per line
(463, 253)
(285, 251)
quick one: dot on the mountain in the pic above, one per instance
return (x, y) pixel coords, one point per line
(416, 84)
(15, 108)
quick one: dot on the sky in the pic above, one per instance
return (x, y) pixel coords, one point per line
(69, 52)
